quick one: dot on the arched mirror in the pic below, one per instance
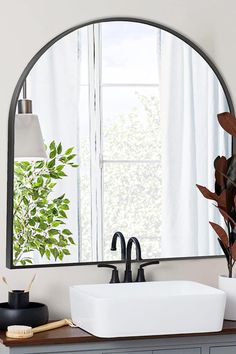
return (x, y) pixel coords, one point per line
(127, 111)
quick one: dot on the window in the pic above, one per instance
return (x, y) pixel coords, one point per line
(124, 155)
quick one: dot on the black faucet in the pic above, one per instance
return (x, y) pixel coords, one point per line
(126, 255)
(119, 235)
(128, 272)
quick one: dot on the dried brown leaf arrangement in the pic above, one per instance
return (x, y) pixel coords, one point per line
(225, 195)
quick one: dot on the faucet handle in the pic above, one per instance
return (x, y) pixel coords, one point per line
(140, 275)
(114, 274)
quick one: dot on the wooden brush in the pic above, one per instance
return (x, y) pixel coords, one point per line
(27, 332)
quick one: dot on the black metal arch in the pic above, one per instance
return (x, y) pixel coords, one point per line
(11, 126)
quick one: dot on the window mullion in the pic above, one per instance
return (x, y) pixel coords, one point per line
(94, 48)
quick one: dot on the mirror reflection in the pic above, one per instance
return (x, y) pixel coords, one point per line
(128, 115)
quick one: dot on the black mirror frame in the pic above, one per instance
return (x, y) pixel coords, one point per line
(11, 126)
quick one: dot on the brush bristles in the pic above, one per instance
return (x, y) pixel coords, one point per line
(19, 332)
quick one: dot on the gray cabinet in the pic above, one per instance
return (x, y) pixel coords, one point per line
(129, 352)
(206, 344)
(179, 351)
(223, 350)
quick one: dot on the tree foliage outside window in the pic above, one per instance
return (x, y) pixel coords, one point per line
(39, 223)
(132, 192)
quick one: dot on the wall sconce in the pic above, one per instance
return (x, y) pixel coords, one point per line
(29, 144)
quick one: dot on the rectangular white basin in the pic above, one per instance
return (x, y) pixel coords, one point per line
(144, 309)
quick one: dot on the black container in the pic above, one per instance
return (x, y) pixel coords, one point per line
(34, 315)
(18, 299)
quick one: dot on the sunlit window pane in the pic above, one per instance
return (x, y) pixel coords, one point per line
(131, 124)
(132, 205)
(129, 53)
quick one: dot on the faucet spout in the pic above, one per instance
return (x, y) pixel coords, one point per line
(119, 235)
(128, 272)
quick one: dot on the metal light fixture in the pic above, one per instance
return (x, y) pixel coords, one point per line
(29, 143)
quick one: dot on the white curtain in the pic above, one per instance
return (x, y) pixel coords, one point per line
(53, 86)
(191, 97)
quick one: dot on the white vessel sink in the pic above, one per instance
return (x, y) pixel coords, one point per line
(151, 308)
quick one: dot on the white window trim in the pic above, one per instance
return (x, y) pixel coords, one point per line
(94, 75)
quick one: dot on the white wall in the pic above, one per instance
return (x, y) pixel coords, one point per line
(25, 26)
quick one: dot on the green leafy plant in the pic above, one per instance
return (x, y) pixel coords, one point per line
(225, 195)
(39, 216)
